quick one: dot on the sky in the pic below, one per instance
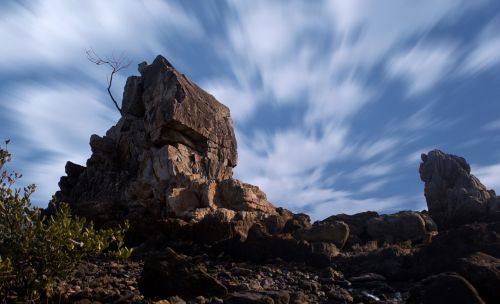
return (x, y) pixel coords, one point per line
(333, 101)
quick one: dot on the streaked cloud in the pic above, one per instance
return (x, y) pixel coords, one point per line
(423, 65)
(492, 125)
(55, 32)
(485, 53)
(489, 175)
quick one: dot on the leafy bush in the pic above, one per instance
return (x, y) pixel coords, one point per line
(35, 249)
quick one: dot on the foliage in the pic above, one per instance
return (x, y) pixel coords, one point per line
(35, 249)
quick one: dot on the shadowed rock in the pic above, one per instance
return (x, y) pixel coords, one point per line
(172, 274)
(455, 196)
(445, 288)
(170, 155)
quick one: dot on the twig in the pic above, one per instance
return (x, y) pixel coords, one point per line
(115, 63)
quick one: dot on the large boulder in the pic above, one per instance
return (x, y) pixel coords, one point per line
(483, 271)
(444, 288)
(170, 154)
(261, 246)
(369, 226)
(455, 196)
(335, 232)
(357, 225)
(402, 226)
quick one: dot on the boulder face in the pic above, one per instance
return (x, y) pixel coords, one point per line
(171, 154)
(402, 226)
(455, 196)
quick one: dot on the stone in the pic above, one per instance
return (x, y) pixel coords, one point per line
(454, 196)
(357, 225)
(171, 154)
(173, 274)
(401, 226)
(276, 223)
(389, 262)
(258, 297)
(482, 271)
(223, 224)
(298, 297)
(444, 288)
(241, 196)
(325, 249)
(340, 295)
(248, 297)
(450, 247)
(367, 277)
(297, 222)
(335, 232)
(261, 246)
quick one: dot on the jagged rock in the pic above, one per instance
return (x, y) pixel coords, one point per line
(297, 222)
(402, 226)
(174, 274)
(170, 155)
(243, 197)
(276, 223)
(455, 196)
(224, 224)
(335, 232)
(445, 288)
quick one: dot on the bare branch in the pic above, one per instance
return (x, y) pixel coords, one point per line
(115, 63)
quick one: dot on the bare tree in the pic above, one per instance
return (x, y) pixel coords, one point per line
(115, 63)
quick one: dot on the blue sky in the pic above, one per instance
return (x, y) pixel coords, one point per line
(333, 101)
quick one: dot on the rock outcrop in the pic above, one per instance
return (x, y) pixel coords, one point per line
(455, 196)
(369, 226)
(402, 226)
(170, 155)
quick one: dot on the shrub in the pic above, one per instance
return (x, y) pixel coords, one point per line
(35, 249)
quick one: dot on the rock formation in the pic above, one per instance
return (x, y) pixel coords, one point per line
(170, 155)
(455, 196)
(368, 226)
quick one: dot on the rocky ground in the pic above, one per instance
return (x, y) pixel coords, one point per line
(111, 281)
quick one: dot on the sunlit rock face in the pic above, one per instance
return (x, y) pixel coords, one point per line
(455, 196)
(171, 154)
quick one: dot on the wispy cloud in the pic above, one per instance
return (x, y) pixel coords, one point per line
(374, 185)
(488, 175)
(485, 53)
(376, 148)
(372, 170)
(56, 120)
(55, 32)
(423, 66)
(492, 125)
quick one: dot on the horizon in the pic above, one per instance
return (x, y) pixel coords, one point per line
(332, 103)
